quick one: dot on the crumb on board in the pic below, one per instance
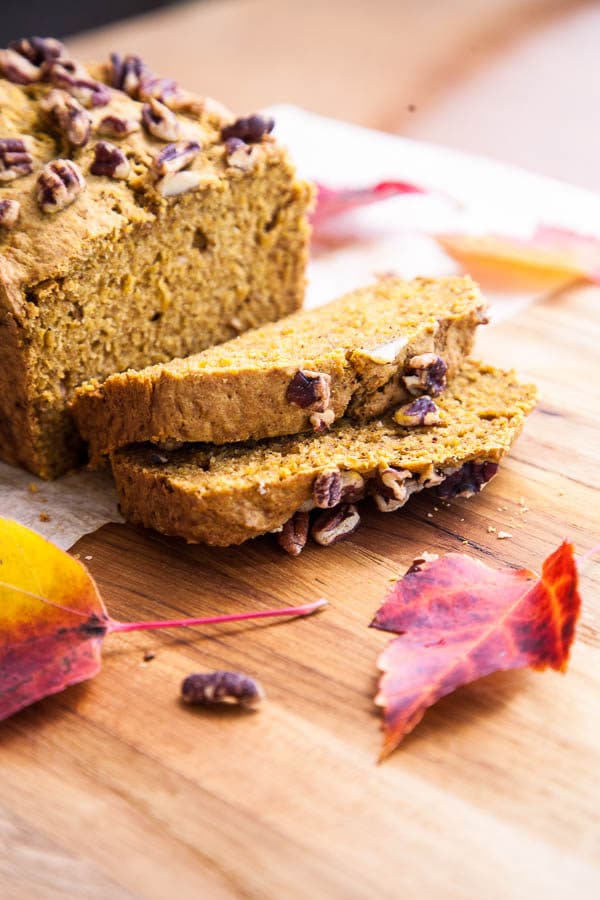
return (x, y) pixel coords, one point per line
(504, 535)
(491, 529)
(88, 557)
(430, 515)
(32, 487)
(149, 655)
(44, 517)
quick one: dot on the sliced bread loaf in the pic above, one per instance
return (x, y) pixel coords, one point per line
(225, 495)
(356, 357)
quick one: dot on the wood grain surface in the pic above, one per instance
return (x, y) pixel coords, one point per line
(113, 789)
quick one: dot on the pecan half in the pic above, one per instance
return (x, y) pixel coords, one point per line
(69, 116)
(159, 121)
(117, 126)
(205, 688)
(393, 483)
(15, 159)
(126, 73)
(353, 486)
(239, 154)
(38, 49)
(425, 374)
(422, 411)
(59, 183)
(164, 89)
(110, 160)
(175, 157)
(293, 536)
(178, 183)
(73, 78)
(250, 129)
(334, 525)
(468, 480)
(9, 213)
(17, 68)
(309, 390)
(387, 504)
(327, 489)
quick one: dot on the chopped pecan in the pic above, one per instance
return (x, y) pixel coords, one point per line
(15, 159)
(164, 89)
(159, 121)
(17, 68)
(175, 157)
(239, 154)
(353, 486)
(117, 126)
(335, 524)
(425, 374)
(110, 160)
(38, 49)
(309, 390)
(58, 185)
(176, 183)
(250, 129)
(69, 116)
(293, 536)
(393, 483)
(468, 480)
(422, 411)
(327, 489)
(73, 78)
(9, 213)
(321, 421)
(388, 504)
(205, 688)
(126, 73)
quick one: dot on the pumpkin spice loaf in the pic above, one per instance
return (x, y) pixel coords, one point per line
(225, 495)
(356, 357)
(137, 223)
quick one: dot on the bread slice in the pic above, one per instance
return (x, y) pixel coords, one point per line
(133, 228)
(346, 358)
(225, 495)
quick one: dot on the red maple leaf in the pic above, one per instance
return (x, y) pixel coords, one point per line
(460, 620)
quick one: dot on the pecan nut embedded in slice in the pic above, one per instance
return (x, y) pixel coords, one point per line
(126, 73)
(334, 525)
(468, 480)
(293, 536)
(327, 489)
(309, 390)
(59, 183)
(69, 116)
(321, 421)
(250, 129)
(240, 155)
(175, 157)
(422, 411)
(110, 160)
(353, 486)
(38, 49)
(425, 374)
(393, 483)
(176, 183)
(15, 159)
(9, 213)
(159, 121)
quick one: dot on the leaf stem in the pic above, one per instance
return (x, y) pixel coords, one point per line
(305, 610)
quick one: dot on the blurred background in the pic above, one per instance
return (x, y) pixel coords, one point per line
(513, 79)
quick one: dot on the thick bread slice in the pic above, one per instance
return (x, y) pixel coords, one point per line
(253, 387)
(225, 495)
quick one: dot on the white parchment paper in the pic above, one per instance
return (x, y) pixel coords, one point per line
(486, 196)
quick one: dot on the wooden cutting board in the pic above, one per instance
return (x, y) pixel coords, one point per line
(114, 790)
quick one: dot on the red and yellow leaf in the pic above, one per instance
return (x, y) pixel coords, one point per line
(460, 620)
(335, 201)
(53, 620)
(551, 253)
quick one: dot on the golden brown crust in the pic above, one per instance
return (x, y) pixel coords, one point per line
(225, 495)
(239, 391)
